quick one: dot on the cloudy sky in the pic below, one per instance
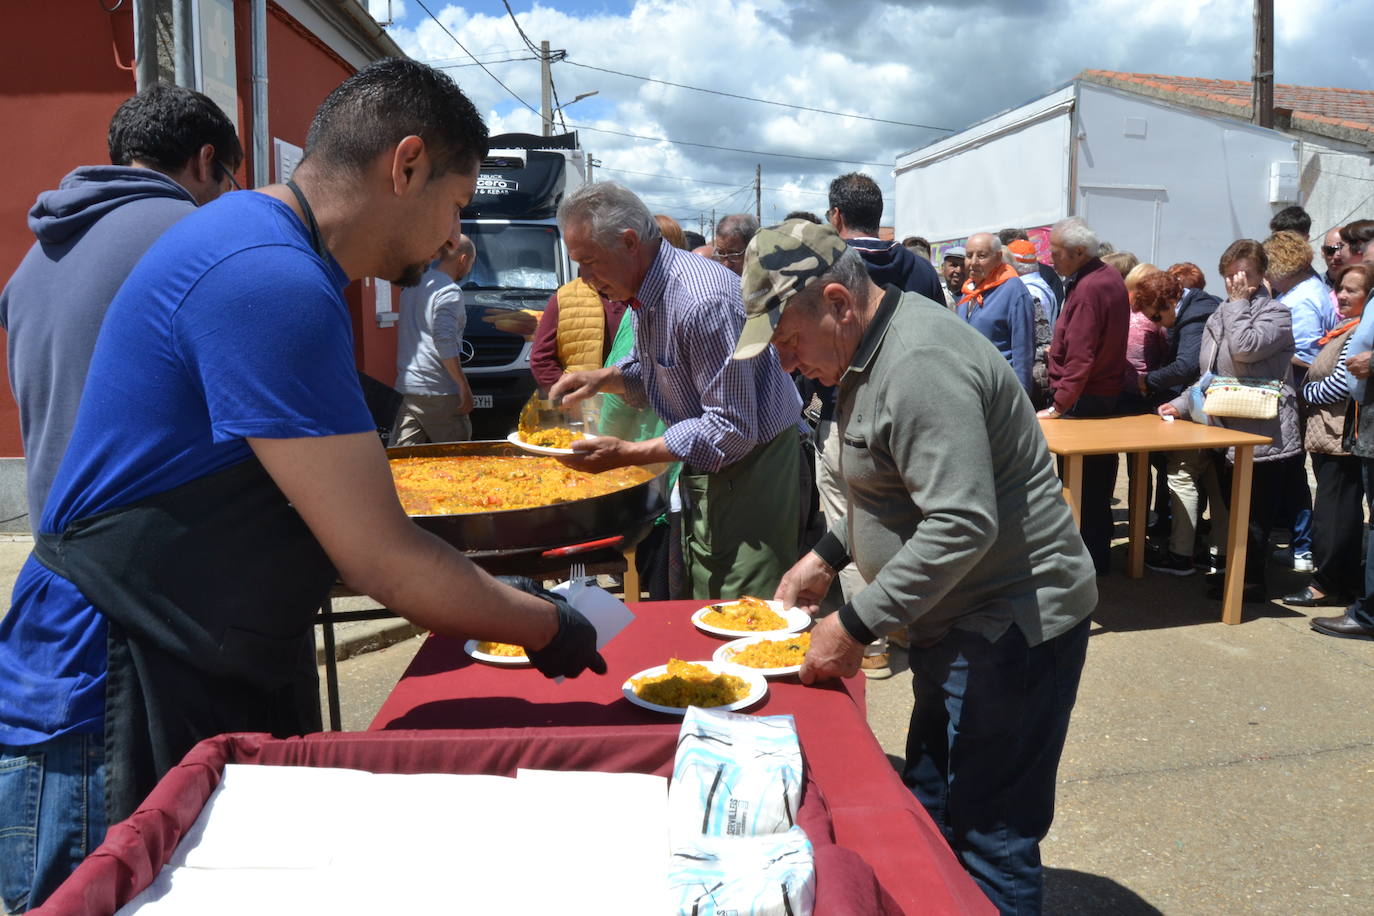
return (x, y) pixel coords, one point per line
(925, 65)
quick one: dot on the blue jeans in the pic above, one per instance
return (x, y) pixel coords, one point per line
(52, 813)
(983, 750)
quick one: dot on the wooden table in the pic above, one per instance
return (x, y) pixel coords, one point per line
(1137, 436)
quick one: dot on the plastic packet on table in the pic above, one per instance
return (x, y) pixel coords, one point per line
(734, 776)
(773, 875)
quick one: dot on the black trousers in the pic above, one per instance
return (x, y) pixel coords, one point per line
(1338, 525)
(1099, 482)
(1267, 494)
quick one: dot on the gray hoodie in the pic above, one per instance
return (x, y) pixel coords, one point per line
(91, 231)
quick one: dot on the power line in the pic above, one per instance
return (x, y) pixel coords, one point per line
(606, 168)
(617, 133)
(504, 60)
(508, 89)
(728, 149)
(748, 98)
(523, 37)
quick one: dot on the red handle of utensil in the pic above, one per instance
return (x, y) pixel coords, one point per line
(583, 548)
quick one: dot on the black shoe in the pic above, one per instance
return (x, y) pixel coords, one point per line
(1169, 563)
(1309, 598)
(1342, 627)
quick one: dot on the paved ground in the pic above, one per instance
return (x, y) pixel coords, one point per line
(1209, 769)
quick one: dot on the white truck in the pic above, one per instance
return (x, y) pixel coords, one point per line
(521, 261)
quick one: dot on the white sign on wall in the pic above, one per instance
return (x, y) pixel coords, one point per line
(285, 158)
(215, 61)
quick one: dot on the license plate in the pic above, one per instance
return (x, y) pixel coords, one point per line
(481, 400)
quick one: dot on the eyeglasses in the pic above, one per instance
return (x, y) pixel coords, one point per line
(1330, 250)
(727, 255)
(225, 172)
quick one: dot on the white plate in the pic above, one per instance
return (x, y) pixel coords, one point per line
(510, 661)
(726, 653)
(758, 688)
(515, 440)
(796, 621)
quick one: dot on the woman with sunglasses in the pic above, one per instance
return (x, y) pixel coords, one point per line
(1338, 507)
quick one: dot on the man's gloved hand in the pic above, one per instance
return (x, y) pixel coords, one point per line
(573, 647)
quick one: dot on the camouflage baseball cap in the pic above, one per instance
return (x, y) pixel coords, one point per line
(779, 263)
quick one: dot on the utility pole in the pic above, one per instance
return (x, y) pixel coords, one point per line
(1262, 94)
(713, 225)
(758, 192)
(701, 223)
(545, 89)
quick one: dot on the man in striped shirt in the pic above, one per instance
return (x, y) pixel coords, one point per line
(732, 423)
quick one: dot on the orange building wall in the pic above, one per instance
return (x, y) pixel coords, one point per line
(56, 100)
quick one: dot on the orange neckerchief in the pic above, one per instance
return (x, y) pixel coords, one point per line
(1337, 331)
(996, 278)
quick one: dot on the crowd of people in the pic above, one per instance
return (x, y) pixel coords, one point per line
(853, 431)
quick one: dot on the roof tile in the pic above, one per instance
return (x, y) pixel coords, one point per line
(1349, 109)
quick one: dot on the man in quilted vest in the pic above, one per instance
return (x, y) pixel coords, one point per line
(574, 334)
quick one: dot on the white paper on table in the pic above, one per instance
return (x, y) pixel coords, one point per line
(294, 840)
(604, 838)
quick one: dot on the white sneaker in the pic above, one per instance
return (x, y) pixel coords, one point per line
(1302, 562)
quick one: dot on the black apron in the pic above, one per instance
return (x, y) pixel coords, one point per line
(210, 591)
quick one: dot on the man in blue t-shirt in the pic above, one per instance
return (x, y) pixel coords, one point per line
(224, 469)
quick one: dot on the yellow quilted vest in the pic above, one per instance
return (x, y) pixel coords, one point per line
(581, 327)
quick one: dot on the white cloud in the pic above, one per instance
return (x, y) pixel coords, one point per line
(940, 63)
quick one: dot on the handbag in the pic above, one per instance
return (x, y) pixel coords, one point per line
(1246, 398)
(1230, 396)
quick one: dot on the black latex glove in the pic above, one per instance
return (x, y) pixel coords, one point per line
(573, 647)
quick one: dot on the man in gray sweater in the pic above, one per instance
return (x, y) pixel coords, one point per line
(956, 520)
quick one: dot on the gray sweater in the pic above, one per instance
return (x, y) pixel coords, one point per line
(90, 232)
(956, 516)
(1253, 338)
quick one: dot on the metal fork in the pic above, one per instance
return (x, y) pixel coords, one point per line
(577, 575)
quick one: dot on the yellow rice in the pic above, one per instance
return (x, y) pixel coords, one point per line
(687, 684)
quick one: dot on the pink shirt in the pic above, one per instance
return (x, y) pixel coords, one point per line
(1146, 344)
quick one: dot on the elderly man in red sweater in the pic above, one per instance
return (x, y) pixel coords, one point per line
(1087, 365)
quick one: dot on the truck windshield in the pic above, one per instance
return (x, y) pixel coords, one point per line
(513, 256)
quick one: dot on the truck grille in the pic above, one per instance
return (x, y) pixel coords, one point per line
(491, 352)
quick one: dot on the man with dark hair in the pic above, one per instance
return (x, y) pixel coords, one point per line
(693, 239)
(856, 210)
(224, 472)
(804, 214)
(171, 150)
(1292, 219)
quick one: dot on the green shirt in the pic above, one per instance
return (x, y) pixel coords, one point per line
(956, 517)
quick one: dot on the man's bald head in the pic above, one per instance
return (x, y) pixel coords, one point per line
(457, 257)
(983, 255)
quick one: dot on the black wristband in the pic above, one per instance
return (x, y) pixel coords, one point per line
(849, 619)
(831, 551)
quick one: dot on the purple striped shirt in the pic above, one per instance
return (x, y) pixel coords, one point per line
(717, 409)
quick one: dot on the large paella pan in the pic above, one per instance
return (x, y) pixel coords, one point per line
(627, 513)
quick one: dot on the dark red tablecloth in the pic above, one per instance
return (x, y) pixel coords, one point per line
(136, 849)
(872, 812)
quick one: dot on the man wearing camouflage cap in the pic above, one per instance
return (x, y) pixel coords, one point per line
(956, 520)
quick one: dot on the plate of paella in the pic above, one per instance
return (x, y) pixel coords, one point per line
(546, 441)
(673, 687)
(770, 656)
(750, 616)
(496, 653)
